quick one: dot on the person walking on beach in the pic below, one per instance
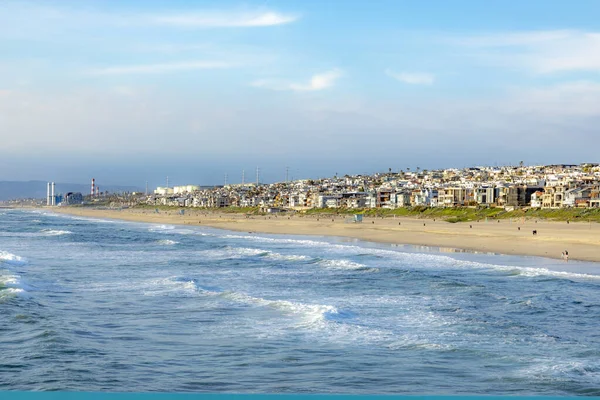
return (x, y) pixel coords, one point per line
(566, 255)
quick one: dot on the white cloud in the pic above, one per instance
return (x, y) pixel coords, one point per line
(160, 68)
(222, 19)
(542, 52)
(412, 78)
(316, 82)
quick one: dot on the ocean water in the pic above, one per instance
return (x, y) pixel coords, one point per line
(94, 305)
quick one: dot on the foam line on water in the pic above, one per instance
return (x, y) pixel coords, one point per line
(167, 242)
(12, 259)
(10, 285)
(422, 259)
(567, 370)
(90, 219)
(54, 232)
(326, 321)
(347, 265)
(230, 252)
(172, 230)
(310, 314)
(40, 234)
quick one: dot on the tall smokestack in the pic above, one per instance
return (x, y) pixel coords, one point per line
(48, 198)
(53, 194)
(93, 187)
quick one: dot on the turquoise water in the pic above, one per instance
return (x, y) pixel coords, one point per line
(115, 306)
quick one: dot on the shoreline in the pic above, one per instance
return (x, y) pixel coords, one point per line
(581, 240)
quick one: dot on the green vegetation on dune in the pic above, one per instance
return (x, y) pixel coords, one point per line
(452, 215)
(465, 214)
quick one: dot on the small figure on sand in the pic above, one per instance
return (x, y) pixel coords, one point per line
(565, 255)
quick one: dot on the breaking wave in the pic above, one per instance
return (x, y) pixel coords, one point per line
(347, 265)
(10, 286)
(423, 260)
(12, 259)
(166, 242)
(54, 232)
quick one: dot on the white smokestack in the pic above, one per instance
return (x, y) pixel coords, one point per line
(53, 195)
(48, 199)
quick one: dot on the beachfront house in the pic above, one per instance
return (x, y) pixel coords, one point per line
(400, 199)
(577, 197)
(485, 195)
(536, 199)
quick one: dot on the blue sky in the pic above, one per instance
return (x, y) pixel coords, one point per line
(129, 91)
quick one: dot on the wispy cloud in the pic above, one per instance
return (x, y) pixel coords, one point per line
(412, 78)
(508, 39)
(541, 52)
(48, 19)
(222, 19)
(317, 82)
(159, 68)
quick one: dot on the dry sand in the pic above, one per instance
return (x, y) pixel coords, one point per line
(582, 240)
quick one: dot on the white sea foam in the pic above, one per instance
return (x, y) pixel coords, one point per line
(12, 259)
(416, 342)
(555, 369)
(347, 265)
(534, 272)
(159, 228)
(172, 230)
(287, 257)
(241, 252)
(11, 292)
(91, 219)
(39, 234)
(166, 242)
(164, 286)
(422, 260)
(310, 314)
(233, 252)
(54, 232)
(10, 285)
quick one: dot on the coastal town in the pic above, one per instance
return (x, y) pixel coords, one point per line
(511, 187)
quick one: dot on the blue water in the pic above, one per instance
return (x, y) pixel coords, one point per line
(116, 306)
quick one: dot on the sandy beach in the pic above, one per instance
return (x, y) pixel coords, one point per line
(581, 240)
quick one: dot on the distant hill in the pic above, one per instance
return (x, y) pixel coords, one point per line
(37, 189)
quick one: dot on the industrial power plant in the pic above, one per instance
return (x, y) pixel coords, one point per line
(70, 198)
(51, 197)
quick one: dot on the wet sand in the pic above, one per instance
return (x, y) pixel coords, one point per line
(581, 239)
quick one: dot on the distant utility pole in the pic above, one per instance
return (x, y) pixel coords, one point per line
(225, 178)
(167, 180)
(257, 175)
(287, 174)
(243, 177)
(146, 188)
